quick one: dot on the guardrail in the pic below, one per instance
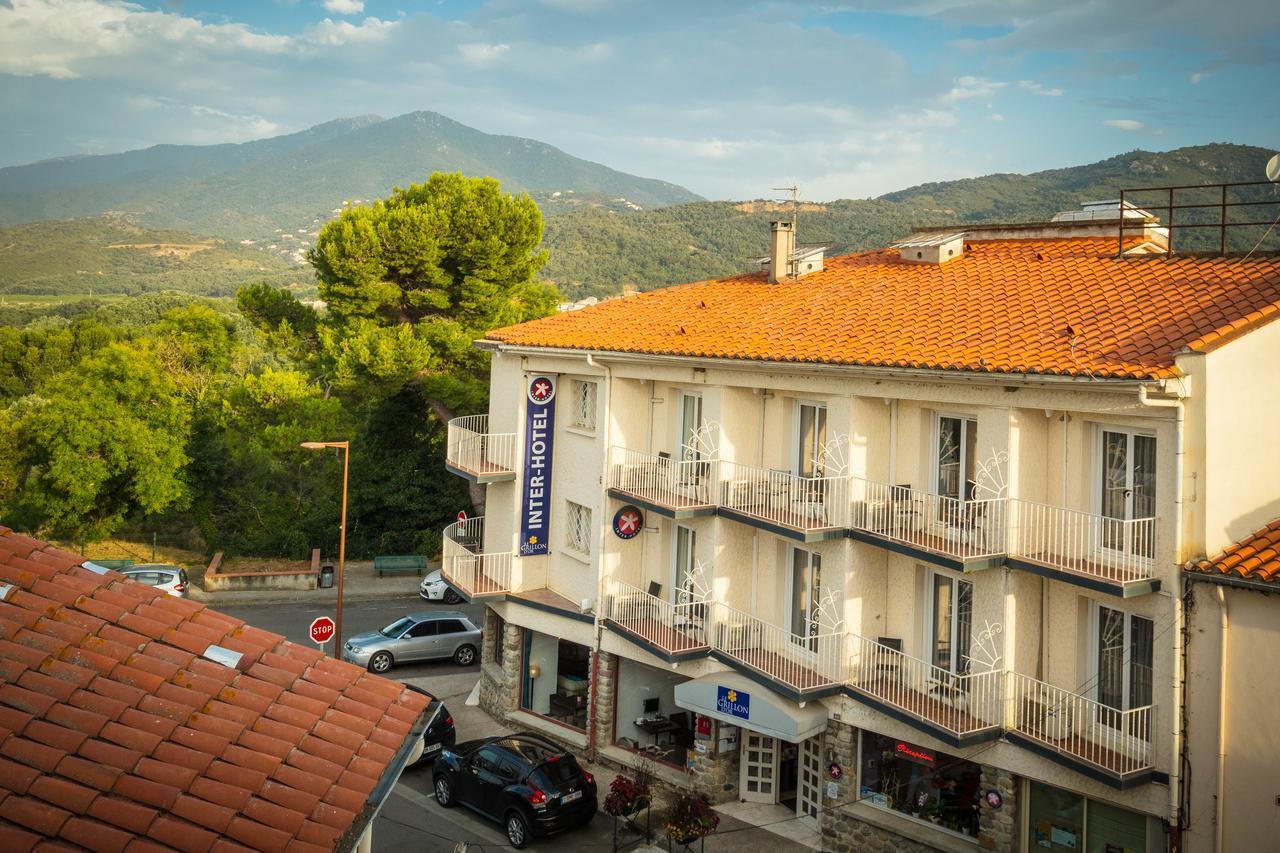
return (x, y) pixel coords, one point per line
(658, 478)
(961, 704)
(468, 566)
(674, 628)
(973, 528)
(471, 447)
(1112, 549)
(799, 662)
(782, 498)
(1082, 728)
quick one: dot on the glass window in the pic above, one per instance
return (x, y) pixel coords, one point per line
(578, 528)
(1125, 648)
(806, 573)
(682, 590)
(921, 783)
(1128, 485)
(1062, 820)
(451, 626)
(957, 450)
(424, 629)
(951, 628)
(813, 440)
(691, 438)
(396, 628)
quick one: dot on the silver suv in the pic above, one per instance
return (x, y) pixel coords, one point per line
(418, 636)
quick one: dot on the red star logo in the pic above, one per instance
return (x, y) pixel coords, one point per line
(541, 389)
(628, 522)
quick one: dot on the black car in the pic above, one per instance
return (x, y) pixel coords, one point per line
(524, 781)
(439, 734)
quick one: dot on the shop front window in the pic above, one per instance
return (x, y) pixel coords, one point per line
(556, 679)
(920, 783)
(1061, 820)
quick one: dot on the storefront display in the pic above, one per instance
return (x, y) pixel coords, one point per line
(556, 679)
(920, 783)
(1062, 820)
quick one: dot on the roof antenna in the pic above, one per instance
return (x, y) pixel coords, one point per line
(795, 203)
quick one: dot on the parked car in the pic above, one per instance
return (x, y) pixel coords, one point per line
(524, 781)
(418, 636)
(433, 588)
(439, 734)
(171, 579)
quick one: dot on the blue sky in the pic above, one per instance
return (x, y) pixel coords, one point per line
(849, 98)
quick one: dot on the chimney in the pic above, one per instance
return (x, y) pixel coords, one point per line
(782, 245)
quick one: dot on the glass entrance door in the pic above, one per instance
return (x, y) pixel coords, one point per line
(759, 782)
(1128, 492)
(809, 799)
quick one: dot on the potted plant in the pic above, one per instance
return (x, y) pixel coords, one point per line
(626, 797)
(691, 817)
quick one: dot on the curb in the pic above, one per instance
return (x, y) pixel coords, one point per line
(271, 596)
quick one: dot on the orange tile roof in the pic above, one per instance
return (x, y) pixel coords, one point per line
(1254, 558)
(1064, 306)
(116, 733)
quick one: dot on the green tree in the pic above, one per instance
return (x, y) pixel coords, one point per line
(100, 442)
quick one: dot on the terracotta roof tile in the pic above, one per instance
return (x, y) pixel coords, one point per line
(38, 755)
(253, 760)
(123, 813)
(131, 738)
(289, 797)
(68, 795)
(63, 740)
(118, 690)
(295, 778)
(110, 708)
(203, 813)
(106, 753)
(146, 845)
(148, 791)
(16, 838)
(34, 814)
(17, 777)
(221, 793)
(175, 711)
(331, 815)
(156, 725)
(41, 683)
(1255, 558)
(313, 832)
(182, 835)
(182, 756)
(96, 836)
(88, 773)
(167, 773)
(232, 774)
(1004, 306)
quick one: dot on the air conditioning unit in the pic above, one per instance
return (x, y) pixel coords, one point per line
(586, 604)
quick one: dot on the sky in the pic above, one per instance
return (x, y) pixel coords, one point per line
(846, 98)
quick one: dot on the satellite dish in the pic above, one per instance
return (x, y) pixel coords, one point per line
(1273, 169)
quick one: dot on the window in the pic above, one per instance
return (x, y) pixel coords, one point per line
(811, 420)
(806, 571)
(498, 638)
(1062, 820)
(950, 626)
(424, 629)
(451, 626)
(1123, 661)
(682, 589)
(954, 463)
(578, 529)
(691, 437)
(584, 405)
(1127, 491)
(486, 760)
(919, 782)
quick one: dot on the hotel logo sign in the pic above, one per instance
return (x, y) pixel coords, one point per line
(539, 432)
(735, 703)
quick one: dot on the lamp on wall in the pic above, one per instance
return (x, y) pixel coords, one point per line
(534, 670)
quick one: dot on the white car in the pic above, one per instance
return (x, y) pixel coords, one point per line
(433, 588)
(171, 579)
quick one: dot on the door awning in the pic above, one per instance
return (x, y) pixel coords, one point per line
(739, 701)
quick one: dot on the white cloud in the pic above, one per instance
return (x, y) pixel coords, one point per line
(997, 117)
(480, 53)
(973, 87)
(1200, 76)
(1125, 124)
(344, 7)
(331, 33)
(1037, 89)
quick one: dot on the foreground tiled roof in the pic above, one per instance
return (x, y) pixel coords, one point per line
(1010, 306)
(1254, 558)
(117, 734)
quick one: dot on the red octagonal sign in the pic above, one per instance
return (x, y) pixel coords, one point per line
(321, 630)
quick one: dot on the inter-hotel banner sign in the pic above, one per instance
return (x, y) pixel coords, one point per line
(539, 429)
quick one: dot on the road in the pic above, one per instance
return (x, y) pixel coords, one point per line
(410, 820)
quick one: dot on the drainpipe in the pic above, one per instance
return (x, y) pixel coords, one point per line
(1179, 616)
(599, 624)
(1218, 806)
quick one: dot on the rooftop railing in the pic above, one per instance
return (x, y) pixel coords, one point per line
(468, 566)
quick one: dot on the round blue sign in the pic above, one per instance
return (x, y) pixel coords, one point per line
(628, 522)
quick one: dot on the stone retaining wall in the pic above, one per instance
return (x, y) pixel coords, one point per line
(293, 579)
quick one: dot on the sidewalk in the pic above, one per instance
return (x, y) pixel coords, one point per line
(361, 583)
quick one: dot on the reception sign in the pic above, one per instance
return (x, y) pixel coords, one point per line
(535, 496)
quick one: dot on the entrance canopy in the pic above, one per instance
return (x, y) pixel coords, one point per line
(739, 701)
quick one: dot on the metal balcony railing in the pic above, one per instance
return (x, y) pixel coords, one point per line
(785, 499)
(1115, 741)
(468, 566)
(956, 528)
(673, 628)
(802, 663)
(960, 704)
(1111, 549)
(472, 448)
(657, 478)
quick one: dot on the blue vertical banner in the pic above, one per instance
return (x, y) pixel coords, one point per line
(539, 435)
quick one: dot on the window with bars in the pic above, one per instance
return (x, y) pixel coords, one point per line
(584, 405)
(578, 529)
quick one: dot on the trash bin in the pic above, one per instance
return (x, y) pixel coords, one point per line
(326, 576)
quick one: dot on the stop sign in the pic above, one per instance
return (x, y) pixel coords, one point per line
(462, 515)
(321, 630)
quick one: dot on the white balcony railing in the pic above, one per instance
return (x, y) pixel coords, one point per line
(960, 704)
(674, 628)
(471, 447)
(658, 478)
(799, 662)
(788, 500)
(1118, 742)
(974, 528)
(1108, 548)
(468, 566)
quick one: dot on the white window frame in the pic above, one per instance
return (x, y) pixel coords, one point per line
(1095, 652)
(927, 641)
(675, 587)
(935, 463)
(820, 462)
(683, 453)
(577, 529)
(789, 598)
(586, 398)
(1098, 466)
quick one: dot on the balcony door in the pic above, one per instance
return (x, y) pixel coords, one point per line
(1127, 492)
(1123, 658)
(956, 457)
(682, 588)
(811, 439)
(803, 594)
(950, 622)
(691, 438)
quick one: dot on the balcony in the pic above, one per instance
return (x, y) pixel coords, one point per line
(808, 509)
(800, 667)
(676, 489)
(468, 568)
(961, 535)
(673, 632)
(959, 709)
(477, 454)
(1076, 731)
(1109, 555)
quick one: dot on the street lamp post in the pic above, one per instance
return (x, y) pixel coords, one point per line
(342, 534)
